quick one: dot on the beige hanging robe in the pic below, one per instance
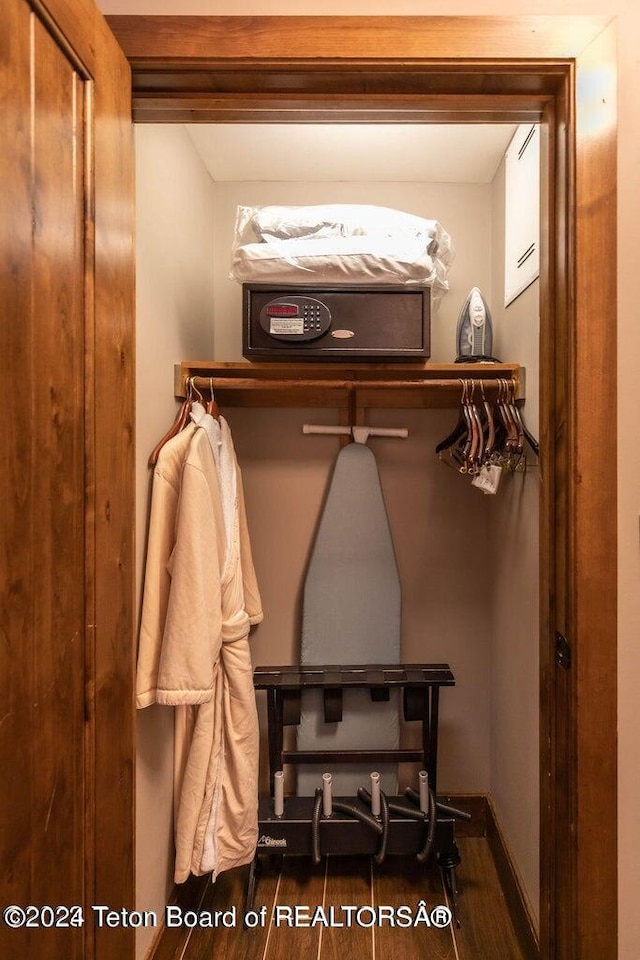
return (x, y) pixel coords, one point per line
(200, 599)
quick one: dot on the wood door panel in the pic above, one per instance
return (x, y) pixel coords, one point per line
(43, 743)
(66, 301)
(594, 507)
(16, 675)
(111, 499)
(72, 22)
(57, 475)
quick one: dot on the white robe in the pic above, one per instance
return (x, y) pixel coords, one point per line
(200, 599)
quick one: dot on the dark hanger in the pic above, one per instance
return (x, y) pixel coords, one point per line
(508, 435)
(457, 433)
(487, 433)
(469, 445)
(526, 434)
(466, 444)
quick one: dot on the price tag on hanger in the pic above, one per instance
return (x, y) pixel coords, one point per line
(488, 480)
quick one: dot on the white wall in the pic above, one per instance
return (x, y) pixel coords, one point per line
(175, 212)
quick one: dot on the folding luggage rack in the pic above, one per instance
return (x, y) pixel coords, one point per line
(371, 824)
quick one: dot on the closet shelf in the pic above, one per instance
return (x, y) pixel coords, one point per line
(390, 385)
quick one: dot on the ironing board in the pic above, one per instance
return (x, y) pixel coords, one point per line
(351, 615)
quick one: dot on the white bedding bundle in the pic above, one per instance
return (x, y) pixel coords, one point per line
(339, 243)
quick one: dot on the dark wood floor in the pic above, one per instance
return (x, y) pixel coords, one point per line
(485, 931)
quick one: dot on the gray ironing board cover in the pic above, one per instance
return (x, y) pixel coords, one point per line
(351, 615)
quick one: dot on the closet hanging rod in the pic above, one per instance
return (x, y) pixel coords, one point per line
(451, 385)
(257, 383)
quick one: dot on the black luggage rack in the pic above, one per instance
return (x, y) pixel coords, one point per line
(301, 830)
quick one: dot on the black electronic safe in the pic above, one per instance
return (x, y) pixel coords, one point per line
(367, 323)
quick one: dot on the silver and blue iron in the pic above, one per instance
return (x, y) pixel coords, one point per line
(475, 332)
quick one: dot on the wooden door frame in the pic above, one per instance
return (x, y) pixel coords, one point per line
(101, 392)
(561, 71)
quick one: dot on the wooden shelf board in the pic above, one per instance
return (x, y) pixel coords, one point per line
(397, 385)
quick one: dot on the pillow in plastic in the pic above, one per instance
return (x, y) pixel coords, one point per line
(339, 220)
(359, 259)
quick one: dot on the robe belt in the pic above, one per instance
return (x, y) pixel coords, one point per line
(237, 628)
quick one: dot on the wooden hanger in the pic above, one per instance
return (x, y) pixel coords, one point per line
(211, 406)
(178, 424)
(487, 433)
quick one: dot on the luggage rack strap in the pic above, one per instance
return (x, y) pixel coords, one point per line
(357, 675)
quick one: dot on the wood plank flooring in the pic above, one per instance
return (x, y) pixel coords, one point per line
(485, 930)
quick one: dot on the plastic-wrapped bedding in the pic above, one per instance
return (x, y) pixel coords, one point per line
(339, 243)
(339, 220)
(333, 260)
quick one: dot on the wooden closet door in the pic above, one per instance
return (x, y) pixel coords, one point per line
(66, 312)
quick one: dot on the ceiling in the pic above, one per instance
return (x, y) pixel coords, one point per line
(436, 153)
